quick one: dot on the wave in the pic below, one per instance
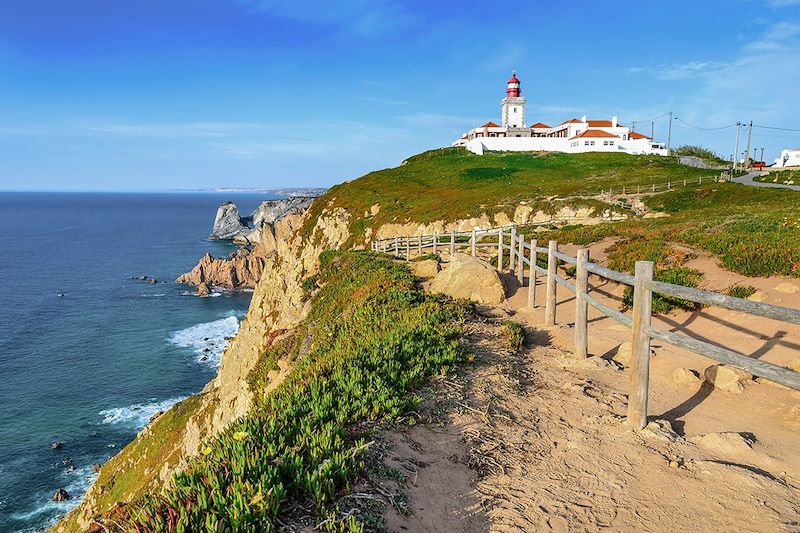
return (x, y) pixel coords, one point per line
(208, 340)
(136, 415)
(76, 482)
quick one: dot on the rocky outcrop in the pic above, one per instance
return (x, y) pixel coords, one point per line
(469, 278)
(231, 226)
(241, 270)
(228, 223)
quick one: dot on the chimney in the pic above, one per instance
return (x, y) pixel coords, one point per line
(583, 118)
(614, 121)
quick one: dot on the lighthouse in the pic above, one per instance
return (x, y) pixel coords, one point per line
(513, 105)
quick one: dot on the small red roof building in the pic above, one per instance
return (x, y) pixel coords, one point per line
(595, 134)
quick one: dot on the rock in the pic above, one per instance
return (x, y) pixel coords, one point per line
(96, 468)
(425, 269)
(155, 416)
(686, 377)
(623, 354)
(724, 443)
(242, 271)
(203, 290)
(727, 378)
(152, 281)
(57, 445)
(661, 430)
(228, 224)
(787, 288)
(469, 278)
(61, 496)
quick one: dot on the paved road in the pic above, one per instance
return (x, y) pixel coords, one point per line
(747, 179)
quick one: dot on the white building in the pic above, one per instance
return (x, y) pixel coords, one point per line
(574, 135)
(788, 158)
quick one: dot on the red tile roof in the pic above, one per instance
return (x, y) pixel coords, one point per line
(599, 123)
(637, 135)
(596, 134)
(490, 125)
(540, 125)
(570, 121)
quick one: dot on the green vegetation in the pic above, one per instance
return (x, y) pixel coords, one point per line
(784, 177)
(753, 231)
(688, 277)
(451, 184)
(374, 337)
(708, 156)
(425, 257)
(742, 291)
(515, 335)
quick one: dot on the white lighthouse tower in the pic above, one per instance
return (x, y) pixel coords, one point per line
(513, 105)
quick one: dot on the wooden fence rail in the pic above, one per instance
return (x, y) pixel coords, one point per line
(524, 255)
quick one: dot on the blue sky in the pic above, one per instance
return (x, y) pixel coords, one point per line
(154, 94)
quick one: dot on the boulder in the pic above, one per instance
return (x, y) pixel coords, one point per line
(241, 271)
(727, 378)
(56, 445)
(96, 468)
(425, 269)
(623, 355)
(61, 496)
(469, 278)
(660, 430)
(725, 443)
(686, 377)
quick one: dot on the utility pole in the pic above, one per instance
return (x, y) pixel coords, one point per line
(747, 151)
(736, 150)
(652, 129)
(669, 135)
(762, 154)
(633, 126)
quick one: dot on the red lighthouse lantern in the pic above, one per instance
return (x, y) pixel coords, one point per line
(513, 86)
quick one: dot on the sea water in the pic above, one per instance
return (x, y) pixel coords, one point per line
(87, 354)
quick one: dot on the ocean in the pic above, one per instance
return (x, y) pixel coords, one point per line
(87, 354)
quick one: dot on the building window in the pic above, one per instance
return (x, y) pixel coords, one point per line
(611, 143)
(586, 143)
(515, 109)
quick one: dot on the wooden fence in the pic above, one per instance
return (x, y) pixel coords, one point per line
(655, 187)
(523, 254)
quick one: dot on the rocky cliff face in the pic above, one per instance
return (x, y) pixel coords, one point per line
(147, 464)
(241, 270)
(230, 225)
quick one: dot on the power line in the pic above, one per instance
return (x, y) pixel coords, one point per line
(707, 129)
(774, 128)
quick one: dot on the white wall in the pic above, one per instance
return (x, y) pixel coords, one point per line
(559, 144)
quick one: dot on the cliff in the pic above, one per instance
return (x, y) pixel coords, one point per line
(230, 225)
(241, 270)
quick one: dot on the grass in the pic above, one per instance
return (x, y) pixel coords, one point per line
(753, 231)
(709, 156)
(450, 184)
(741, 291)
(376, 337)
(688, 277)
(783, 177)
(515, 335)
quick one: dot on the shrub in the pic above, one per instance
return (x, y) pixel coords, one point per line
(515, 335)
(741, 291)
(688, 277)
(375, 338)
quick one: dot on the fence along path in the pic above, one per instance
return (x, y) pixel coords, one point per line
(523, 253)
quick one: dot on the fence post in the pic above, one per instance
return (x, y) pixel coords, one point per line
(419, 245)
(500, 250)
(512, 249)
(581, 307)
(452, 242)
(474, 237)
(654, 187)
(520, 262)
(684, 182)
(623, 189)
(640, 350)
(532, 277)
(434, 241)
(408, 248)
(550, 298)
(669, 185)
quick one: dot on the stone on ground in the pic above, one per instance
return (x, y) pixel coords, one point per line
(686, 377)
(724, 443)
(427, 268)
(661, 430)
(727, 378)
(469, 278)
(624, 354)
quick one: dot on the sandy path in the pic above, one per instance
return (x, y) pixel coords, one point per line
(542, 445)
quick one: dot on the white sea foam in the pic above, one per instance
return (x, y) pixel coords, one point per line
(75, 482)
(138, 414)
(209, 339)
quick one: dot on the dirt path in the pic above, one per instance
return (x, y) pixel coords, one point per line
(536, 440)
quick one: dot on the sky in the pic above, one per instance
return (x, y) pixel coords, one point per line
(112, 95)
